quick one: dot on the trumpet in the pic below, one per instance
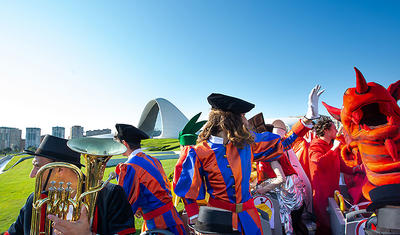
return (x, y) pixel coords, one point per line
(96, 153)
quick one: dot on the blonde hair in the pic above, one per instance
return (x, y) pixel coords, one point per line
(230, 123)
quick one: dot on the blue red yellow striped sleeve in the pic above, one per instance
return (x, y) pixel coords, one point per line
(267, 147)
(188, 179)
(127, 178)
(298, 130)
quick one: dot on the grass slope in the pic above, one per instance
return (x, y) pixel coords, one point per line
(161, 144)
(15, 184)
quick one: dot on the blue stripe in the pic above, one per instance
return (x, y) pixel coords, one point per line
(148, 201)
(169, 219)
(222, 162)
(246, 222)
(265, 137)
(152, 160)
(267, 152)
(289, 141)
(149, 168)
(186, 177)
(150, 224)
(210, 190)
(245, 161)
(272, 159)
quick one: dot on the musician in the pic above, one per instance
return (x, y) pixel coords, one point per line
(112, 213)
(145, 183)
(221, 161)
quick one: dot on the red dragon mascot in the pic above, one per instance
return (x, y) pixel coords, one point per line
(371, 121)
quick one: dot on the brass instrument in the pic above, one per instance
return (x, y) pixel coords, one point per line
(96, 152)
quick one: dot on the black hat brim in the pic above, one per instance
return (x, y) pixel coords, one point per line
(229, 103)
(130, 133)
(51, 157)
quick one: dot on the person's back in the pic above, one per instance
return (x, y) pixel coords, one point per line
(154, 186)
(221, 163)
(145, 184)
(234, 165)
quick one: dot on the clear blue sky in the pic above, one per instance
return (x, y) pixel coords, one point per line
(95, 63)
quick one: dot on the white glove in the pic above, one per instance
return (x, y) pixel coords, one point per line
(336, 144)
(312, 106)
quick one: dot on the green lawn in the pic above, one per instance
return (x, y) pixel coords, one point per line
(161, 144)
(15, 184)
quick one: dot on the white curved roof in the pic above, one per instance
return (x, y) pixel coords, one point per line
(172, 119)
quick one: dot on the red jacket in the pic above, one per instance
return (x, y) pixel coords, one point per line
(300, 147)
(325, 168)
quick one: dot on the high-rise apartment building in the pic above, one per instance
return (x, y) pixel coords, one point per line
(98, 132)
(32, 138)
(58, 131)
(22, 144)
(10, 138)
(76, 132)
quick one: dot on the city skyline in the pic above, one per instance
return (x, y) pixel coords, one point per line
(12, 139)
(66, 136)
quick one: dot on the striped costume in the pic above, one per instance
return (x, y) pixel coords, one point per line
(224, 172)
(148, 190)
(265, 170)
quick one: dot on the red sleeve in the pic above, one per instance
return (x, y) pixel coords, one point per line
(299, 129)
(321, 158)
(264, 171)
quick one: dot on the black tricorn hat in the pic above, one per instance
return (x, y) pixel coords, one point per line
(130, 133)
(214, 220)
(384, 195)
(229, 103)
(56, 149)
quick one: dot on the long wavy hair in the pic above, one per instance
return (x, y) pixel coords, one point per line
(230, 123)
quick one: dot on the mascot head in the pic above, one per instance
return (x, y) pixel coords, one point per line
(369, 112)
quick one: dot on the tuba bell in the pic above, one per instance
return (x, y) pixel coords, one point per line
(96, 152)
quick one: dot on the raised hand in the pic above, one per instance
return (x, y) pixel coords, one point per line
(312, 106)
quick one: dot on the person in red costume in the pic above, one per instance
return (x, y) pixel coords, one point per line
(325, 167)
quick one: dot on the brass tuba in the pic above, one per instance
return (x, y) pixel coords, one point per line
(96, 152)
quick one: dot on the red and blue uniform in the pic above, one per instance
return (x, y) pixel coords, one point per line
(224, 172)
(148, 190)
(265, 170)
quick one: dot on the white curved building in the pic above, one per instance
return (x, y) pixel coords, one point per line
(172, 120)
